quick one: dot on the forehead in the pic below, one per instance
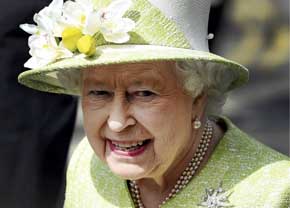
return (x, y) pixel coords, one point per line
(137, 72)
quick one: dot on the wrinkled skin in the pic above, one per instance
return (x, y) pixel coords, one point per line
(134, 102)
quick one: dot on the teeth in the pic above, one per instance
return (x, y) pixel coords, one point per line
(128, 146)
(124, 145)
(134, 144)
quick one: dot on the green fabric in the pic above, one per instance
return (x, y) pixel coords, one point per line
(148, 30)
(46, 79)
(152, 29)
(255, 175)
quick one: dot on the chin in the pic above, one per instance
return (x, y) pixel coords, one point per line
(127, 171)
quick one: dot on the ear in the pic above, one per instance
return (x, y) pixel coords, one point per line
(199, 105)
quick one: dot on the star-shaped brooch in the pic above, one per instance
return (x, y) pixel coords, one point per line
(215, 198)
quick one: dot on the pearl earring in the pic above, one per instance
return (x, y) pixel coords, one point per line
(197, 123)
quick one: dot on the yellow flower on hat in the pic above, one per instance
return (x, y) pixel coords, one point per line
(70, 37)
(87, 45)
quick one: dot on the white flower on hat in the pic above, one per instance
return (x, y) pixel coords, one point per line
(113, 26)
(109, 21)
(47, 20)
(78, 14)
(66, 29)
(44, 50)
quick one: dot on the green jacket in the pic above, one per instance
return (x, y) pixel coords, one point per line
(252, 175)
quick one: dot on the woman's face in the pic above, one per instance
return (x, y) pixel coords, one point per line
(137, 117)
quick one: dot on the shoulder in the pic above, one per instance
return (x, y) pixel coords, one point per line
(260, 176)
(82, 152)
(80, 187)
(245, 146)
(90, 183)
(78, 173)
(268, 186)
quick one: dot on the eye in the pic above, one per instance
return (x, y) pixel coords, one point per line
(99, 93)
(141, 96)
(144, 93)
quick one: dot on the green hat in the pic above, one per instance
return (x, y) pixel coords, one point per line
(81, 34)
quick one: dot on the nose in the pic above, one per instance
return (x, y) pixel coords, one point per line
(119, 119)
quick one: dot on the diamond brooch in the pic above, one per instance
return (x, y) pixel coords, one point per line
(216, 198)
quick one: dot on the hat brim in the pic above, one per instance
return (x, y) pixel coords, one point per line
(45, 78)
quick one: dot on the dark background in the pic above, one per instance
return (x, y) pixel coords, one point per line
(35, 127)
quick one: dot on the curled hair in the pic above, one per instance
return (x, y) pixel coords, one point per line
(211, 78)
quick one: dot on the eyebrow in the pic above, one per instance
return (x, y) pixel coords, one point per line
(95, 83)
(136, 79)
(145, 79)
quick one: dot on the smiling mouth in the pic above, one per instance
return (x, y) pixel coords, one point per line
(123, 146)
(129, 148)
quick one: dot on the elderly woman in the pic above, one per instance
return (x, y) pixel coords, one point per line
(151, 96)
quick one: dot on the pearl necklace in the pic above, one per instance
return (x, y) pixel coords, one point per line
(186, 175)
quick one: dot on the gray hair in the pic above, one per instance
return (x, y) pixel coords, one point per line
(197, 76)
(209, 77)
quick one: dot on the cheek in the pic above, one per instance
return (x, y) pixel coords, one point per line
(160, 120)
(170, 124)
(152, 117)
(94, 120)
(168, 114)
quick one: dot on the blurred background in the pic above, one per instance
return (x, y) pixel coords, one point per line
(34, 146)
(256, 34)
